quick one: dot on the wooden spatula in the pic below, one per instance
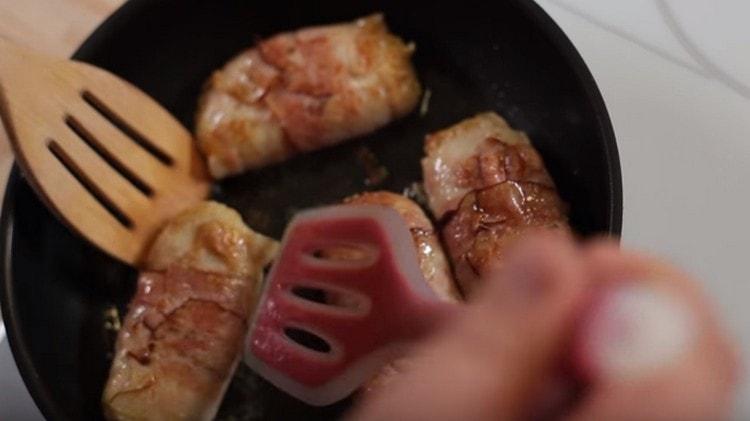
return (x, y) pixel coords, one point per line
(105, 157)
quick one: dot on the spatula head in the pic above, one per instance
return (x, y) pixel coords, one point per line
(105, 157)
(341, 300)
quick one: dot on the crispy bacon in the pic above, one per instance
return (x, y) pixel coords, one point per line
(304, 90)
(488, 185)
(183, 334)
(478, 152)
(178, 346)
(489, 220)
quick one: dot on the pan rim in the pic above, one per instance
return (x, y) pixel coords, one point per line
(39, 391)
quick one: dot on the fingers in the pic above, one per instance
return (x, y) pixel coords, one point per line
(642, 333)
(650, 344)
(489, 363)
(533, 302)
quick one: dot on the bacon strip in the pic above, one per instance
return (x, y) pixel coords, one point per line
(177, 347)
(304, 90)
(489, 220)
(477, 152)
(488, 185)
(183, 334)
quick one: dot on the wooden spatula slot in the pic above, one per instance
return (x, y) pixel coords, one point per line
(132, 156)
(88, 184)
(126, 128)
(107, 156)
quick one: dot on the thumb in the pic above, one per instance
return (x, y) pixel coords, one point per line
(491, 361)
(534, 302)
(650, 345)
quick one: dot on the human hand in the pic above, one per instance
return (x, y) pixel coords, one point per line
(570, 332)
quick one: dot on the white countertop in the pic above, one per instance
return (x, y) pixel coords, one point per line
(15, 402)
(675, 75)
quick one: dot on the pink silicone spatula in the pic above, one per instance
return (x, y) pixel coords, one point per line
(323, 324)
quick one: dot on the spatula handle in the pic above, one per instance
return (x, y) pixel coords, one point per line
(13, 59)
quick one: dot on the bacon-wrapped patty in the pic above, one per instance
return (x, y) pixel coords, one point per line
(183, 334)
(488, 185)
(304, 90)
(489, 220)
(477, 152)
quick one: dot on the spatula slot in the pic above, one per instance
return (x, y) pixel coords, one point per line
(307, 339)
(126, 128)
(315, 295)
(113, 162)
(87, 183)
(345, 254)
(343, 300)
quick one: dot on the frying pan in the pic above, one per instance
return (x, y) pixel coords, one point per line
(507, 55)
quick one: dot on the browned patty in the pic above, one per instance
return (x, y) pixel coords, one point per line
(488, 185)
(182, 336)
(304, 90)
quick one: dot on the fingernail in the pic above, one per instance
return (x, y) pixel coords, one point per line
(633, 330)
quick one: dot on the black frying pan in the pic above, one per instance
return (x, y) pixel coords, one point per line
(503, 55)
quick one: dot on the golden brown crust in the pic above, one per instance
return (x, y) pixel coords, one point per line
(211, 238)
(304, 90)
(182, 336)
(488, 221)
(476, 153)
(413, 215)
(177, 347)
(489, 186)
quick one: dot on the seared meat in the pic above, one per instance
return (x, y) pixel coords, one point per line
(211, 238)
(184, 330)
(489, 220)
(478, 152)
(488, 185)
(304, 90)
